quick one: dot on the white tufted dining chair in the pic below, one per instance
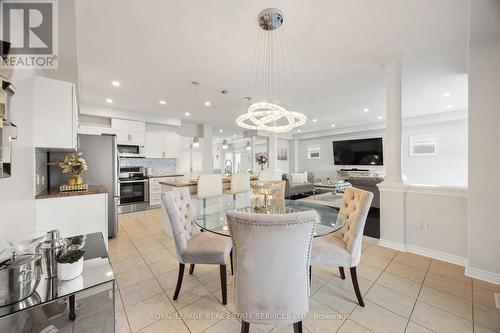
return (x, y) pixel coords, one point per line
(271, 258)
(343, 248)
(240, 183)
(193, 246)
(270, 175)
(209, 186)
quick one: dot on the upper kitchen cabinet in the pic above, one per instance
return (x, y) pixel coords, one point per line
(129, 132)
(56, 114)
(162, 145)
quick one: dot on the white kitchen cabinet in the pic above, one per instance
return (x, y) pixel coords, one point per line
(155, 190)
(129, 132)
(95, 130)
(73, 215)
(162, 145)
(55, 114)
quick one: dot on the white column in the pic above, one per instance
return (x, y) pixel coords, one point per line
(272, 149)
(394, 120)
(295, 155)
(206, 134)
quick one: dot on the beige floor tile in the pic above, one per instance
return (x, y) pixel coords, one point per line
(353, 327)
(164, 266)
(132, 277)
(211, 280)
(378, 319)
(200, 270)
(336, 298)
(346, 284)
(233, 325)
(322, 319)
(483, 296)
(487, 285)
(115, 257)
(152, 257)
(168, 280)
(391, 300)
(166, 326)
(325, 273)
(438, 320)
(416, 328)
(316, 283)
(413, 260)
(230, 295)
(447, 302)
(121, 323)
(148, 311)
(140, 291)
(140, 236)
(380, 251)
(153, 246)
(449, 270)
(481, 329)
(407, 272)
(190, 292)
(287, 329)
(404, 286)
(451, 286)
(203, 313)
(118, 301)
(375, 261)
(366, 272)
(126, 265)
(487, 317)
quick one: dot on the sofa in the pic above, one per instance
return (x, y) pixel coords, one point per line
(294, 188)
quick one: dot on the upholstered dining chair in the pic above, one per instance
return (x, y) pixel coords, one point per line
(193, 246)
(343, 248)
(240, 183)
(209, 186)
(270, 175)
(271, 258)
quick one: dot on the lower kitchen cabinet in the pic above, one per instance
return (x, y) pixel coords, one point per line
(74, 215)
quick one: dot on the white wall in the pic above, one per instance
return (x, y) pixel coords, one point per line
(484, 140)
(17, 204)
(448, 168)
(283, 165)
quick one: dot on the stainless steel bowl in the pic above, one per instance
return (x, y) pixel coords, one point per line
(19, 277)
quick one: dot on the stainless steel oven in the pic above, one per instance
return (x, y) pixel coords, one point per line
(130, 151)
(133, 189)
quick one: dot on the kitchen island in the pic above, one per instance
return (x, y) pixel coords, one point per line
(168, 185)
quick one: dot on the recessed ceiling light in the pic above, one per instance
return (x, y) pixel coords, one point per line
(187, 114)
(298, 131)
(235, 135)
(446, 94)
(332, 125)
(207, 103)
(314, 120)
(109, 100)
(449, 106)
(163, 102)
(115, 83)
(380, 117)
(220, 131)
(366, 110)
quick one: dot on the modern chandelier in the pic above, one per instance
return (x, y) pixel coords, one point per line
(270, 64)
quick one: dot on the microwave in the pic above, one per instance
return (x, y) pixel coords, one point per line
(130, 151)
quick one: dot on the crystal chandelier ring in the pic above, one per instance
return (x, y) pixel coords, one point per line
(268, 116)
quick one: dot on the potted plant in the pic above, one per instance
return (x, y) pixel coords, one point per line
(73, 164)
(261, 159)
(69, 264)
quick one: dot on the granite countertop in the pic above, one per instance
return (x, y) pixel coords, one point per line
(194, 182)
(55, 193)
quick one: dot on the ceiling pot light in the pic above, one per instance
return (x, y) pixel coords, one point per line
(380, 117)
(332, 125)
(314, 120)
(263, 115)
(109, 100)
(224, 144)
(196, 142)
(366, 110)
(220, 131)
(298, 131)
(115, 83)
(187, 114)
(163, 102)
(248, 146)
(449, 106)
(446, 94)
(207, 103)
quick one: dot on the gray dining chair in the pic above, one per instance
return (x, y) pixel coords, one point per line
(271, 260)
(193, 246)
(343, 248)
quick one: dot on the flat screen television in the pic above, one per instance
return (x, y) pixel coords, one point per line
(358, 152)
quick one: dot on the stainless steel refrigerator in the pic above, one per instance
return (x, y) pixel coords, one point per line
(101, 155)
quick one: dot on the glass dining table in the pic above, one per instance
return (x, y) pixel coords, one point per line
(212, 217)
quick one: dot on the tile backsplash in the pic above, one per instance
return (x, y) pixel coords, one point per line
(161, 166)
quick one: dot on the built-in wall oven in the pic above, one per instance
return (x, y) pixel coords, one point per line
(130, 150)
(133, 186)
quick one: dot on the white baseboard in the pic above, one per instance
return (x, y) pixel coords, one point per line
(392, 244)
(434, 254)
(480, 274)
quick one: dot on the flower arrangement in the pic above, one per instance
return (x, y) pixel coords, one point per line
(73, 164)
(261, 159)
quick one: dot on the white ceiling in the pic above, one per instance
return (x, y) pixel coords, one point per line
(157, 47)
